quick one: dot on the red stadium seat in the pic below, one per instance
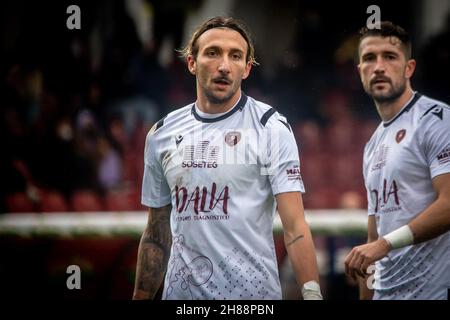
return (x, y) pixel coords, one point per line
(322, 198)
(52, 201)
(85, 201)
(119, 201)
(19, 202)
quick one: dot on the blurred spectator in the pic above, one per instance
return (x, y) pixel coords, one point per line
(75, 106)
(109, 166)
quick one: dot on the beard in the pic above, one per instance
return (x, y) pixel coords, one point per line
(393, 93)
(219, 98)
(214, 99)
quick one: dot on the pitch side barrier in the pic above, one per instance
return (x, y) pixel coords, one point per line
(333, 222)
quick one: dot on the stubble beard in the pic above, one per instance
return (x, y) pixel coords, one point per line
(215, 99)
(392, 95)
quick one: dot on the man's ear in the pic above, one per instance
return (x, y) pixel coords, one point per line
(410, 68)
(192, 65)
(248, 67)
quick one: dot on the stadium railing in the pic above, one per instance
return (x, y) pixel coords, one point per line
(334, 222)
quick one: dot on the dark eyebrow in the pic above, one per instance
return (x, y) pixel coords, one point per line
(391, 52)
(367, 54)
(383, 52)
(233, 50)
(212, 48)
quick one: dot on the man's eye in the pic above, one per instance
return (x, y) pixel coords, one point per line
(211, 53)
(237, 56)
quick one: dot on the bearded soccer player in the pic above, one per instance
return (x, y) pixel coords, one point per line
(407, 177)
(215, 172)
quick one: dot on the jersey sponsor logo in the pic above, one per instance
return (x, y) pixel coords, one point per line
(388, 200)
(400, 135)
(444, 156)
(202, 201)
(379, 158)
(293, 173)
(201, 155)
(232, 138)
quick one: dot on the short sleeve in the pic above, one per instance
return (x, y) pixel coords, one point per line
(436, 141)
(371, 202)
(371, 196)
(155, 190)
(283, 165)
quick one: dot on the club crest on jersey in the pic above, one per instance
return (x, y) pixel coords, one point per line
(232, 138)
(400, 135)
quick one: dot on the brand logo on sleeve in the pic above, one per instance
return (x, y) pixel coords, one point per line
(178, 139)
(438, 113)
(294, 173)
(444, 156)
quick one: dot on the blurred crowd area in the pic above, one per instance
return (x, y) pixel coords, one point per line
(76, 105)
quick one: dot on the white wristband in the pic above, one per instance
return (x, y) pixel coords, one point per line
(311, 291)
(400, 237)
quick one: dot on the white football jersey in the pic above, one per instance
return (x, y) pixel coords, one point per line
(221, 173)
(400, 161)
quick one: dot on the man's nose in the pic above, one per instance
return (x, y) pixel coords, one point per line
(224, 65)
(379, 65)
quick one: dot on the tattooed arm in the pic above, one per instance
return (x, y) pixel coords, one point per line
(153, 253)
(297, 237)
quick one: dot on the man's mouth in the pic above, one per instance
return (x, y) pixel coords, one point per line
(379, 81)
(222, 81)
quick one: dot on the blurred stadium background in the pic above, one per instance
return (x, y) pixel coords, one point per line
(76, 106)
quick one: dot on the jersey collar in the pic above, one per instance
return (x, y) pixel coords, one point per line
(406, 108)
(239, 106)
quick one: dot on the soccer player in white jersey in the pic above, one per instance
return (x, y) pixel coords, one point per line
(215, 173)
(407, 177)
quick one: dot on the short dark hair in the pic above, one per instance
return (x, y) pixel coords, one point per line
(220, 22)
(388, 29)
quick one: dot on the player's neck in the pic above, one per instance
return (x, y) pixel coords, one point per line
(207, 106)
(388, 110)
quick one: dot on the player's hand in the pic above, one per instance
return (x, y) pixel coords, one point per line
(361, 257)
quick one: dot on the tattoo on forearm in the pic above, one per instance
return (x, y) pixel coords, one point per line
(153, 253)
(296, 238)
(158, 232)
(152, 267)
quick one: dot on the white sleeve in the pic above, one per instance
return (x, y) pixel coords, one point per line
(371, 195)
(436, 142)
(283, 165)
(155, 190)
